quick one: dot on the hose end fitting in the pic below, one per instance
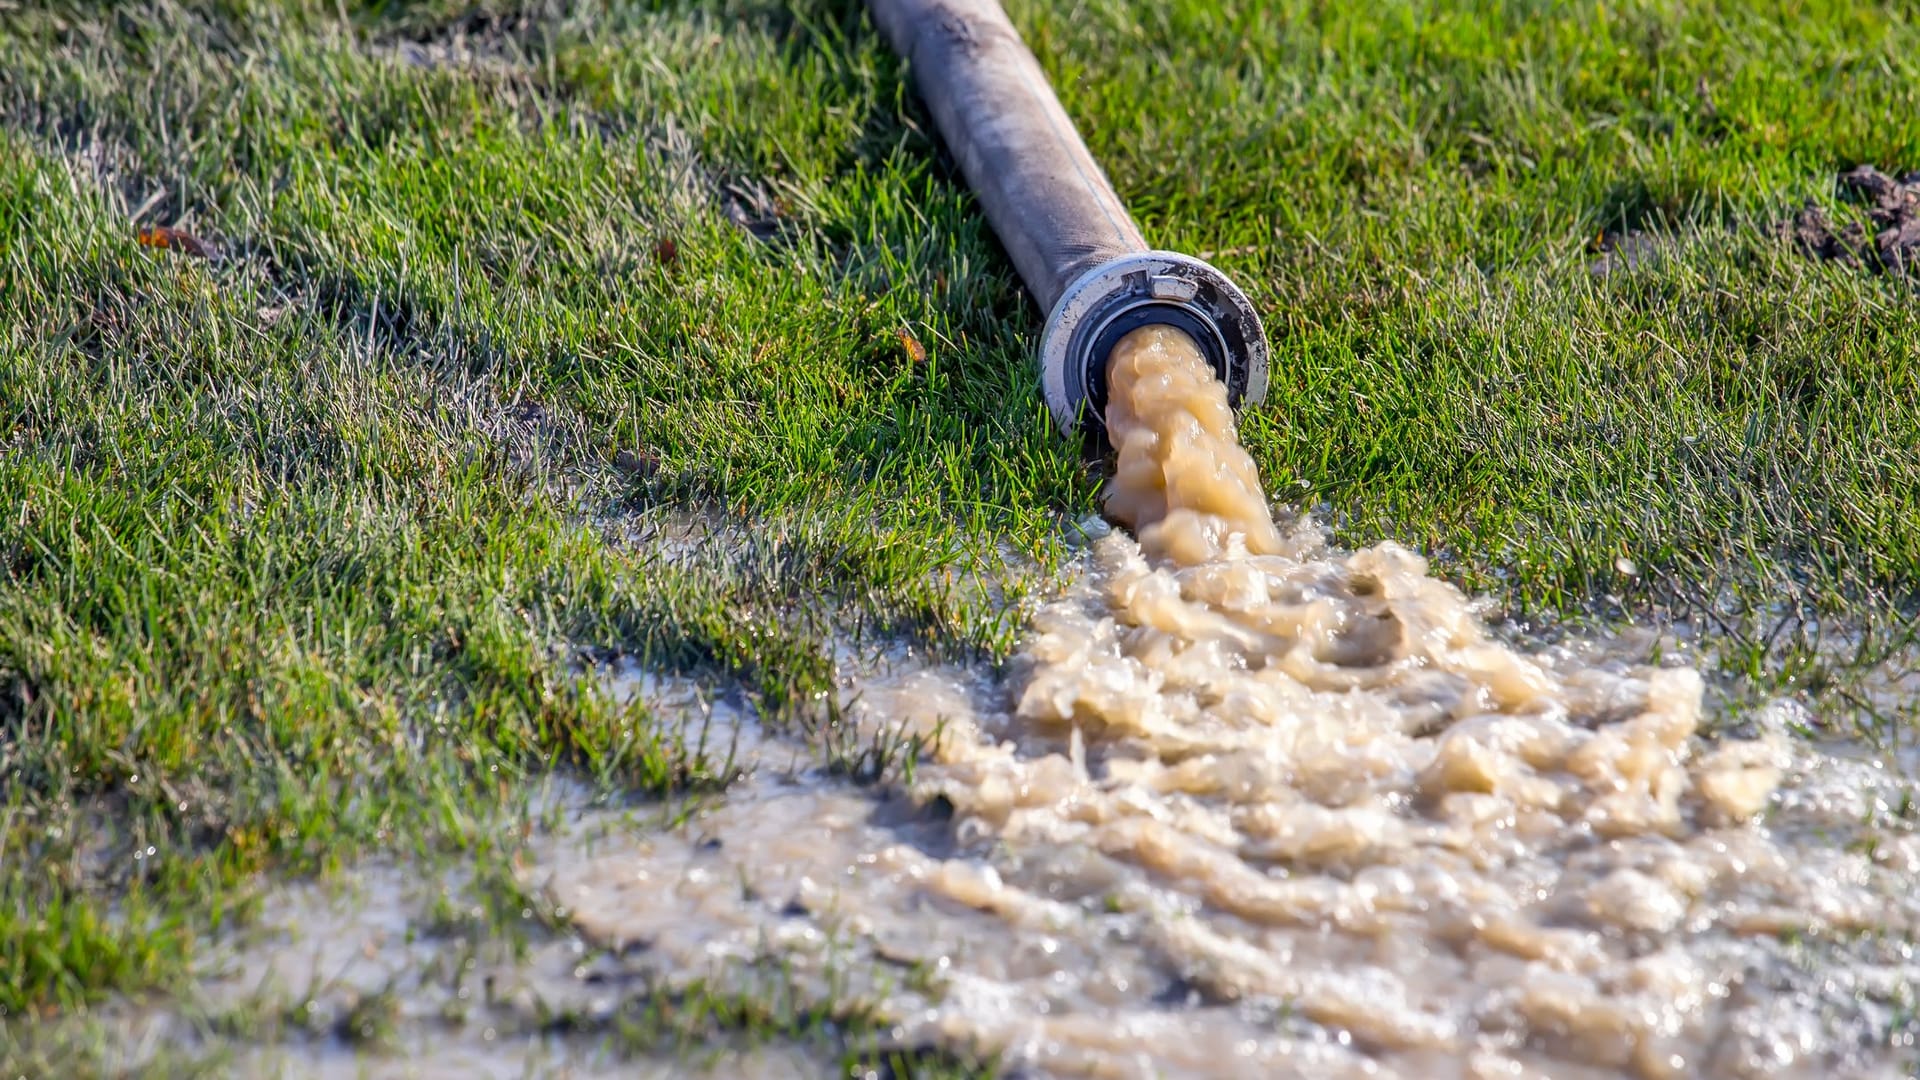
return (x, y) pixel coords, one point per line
(1143, 289)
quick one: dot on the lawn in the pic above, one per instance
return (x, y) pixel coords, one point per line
(354, 356)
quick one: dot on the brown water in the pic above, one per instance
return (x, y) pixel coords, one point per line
(1246, 806)
(1242, 805)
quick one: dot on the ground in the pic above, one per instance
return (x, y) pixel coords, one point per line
(356, 357)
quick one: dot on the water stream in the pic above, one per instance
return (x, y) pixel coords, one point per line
(1244, 805)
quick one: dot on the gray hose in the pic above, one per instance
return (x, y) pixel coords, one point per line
(1074, 244)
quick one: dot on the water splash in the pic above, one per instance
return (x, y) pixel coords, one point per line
(1246, 805)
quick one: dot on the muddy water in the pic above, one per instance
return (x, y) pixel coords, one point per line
(1247, 806)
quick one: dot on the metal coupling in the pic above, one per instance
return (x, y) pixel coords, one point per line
(1144, 289)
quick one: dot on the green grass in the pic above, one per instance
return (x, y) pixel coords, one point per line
(303, 548)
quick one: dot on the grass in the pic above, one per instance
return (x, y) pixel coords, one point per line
(303, 548)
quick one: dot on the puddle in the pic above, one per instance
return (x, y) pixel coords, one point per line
(388, 971)
(1244, 805)
(393, 970)
(1206, 898)
(1211, 899)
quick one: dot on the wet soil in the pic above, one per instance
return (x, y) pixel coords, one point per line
(1241, 804)
(1246, 805)
(1202, 893)
(1887, 241)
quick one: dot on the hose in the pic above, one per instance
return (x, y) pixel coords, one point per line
(1072, 241)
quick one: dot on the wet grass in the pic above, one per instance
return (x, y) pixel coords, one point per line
(304, 547)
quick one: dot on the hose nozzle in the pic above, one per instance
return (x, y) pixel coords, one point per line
(1146, 288)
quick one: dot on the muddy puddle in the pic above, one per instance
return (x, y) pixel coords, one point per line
(395, 970)
(1351, 883)
(1242, 805)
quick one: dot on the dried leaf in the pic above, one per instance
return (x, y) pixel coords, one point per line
(916, 352)
(168, 238)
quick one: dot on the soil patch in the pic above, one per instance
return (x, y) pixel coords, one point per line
(1888, 241)
(1625, 251)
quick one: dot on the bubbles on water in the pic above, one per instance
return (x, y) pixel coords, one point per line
(1242, 805)
(1240, 791)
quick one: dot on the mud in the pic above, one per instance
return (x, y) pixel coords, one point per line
(1280, 896)
(1247, 805)
(1887, 241)
(1243, 804)
(398, 969)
